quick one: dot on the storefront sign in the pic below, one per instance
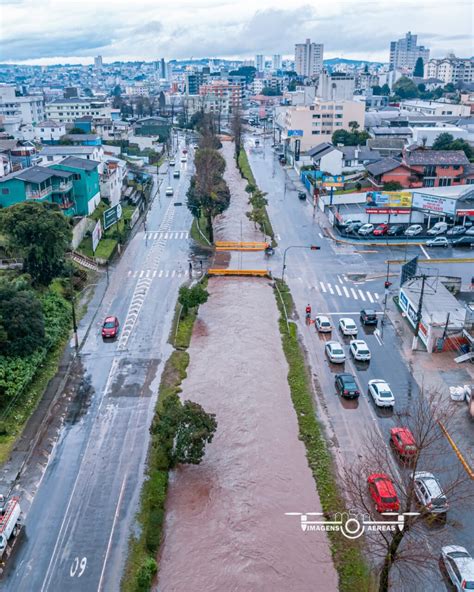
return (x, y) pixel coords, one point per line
(386, 211)
(434, 204)
(96, 235)
(464, 212)
(294, 133)
(403, 301)
(412, 314)
(388, 199)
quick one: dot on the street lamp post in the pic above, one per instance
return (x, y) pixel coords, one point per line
(310, 247)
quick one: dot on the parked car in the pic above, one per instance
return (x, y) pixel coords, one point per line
(439, 241)
(381, 229)
(382, 491)
(456, 231)
(334, 352)
(176, 174)
(350, 221)
(366, 229)
(360, 350)
(464, 241)
(413, 230)
(395, 230)
(470, 231)
(354, 227)
(381, 393)
(196, 146)
(302, 195)
(459, 566)
(347, 326)
(368, 316)
(438, 228)
(429, 493)
(172, 162)
(169, 191)
(323, 324)
(346, 385)
(110, 327)
(403, 442)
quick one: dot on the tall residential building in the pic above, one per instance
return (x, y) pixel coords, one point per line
(451, 69)
(260, 62)
(20, 110)
(163, 72)
(98, 62)
(309, 58)
(405, 52)
(276, 62)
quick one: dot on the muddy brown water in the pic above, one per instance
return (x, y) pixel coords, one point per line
(226, 528)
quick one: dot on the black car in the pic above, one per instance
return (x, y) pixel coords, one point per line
(354, 228)
(368, 316)
(346, 386)
(395, 230)
(301, 195)
(464, 241)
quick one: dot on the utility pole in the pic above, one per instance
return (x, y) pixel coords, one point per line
(419, 313)
(310, 247)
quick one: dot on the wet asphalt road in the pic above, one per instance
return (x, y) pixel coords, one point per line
(339, 280)
(78, 525)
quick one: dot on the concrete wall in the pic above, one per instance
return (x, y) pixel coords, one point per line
(80, 230)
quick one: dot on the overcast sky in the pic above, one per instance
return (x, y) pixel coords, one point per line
(74, 31)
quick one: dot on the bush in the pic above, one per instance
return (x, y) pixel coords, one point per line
(146, 573)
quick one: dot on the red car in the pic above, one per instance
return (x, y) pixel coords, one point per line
(380, 229)
(110, 327)
(383, 493)
(402, 440)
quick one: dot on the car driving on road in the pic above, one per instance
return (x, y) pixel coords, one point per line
(368, 316)
(347, 326)
(176, 174)
(360, 350)
(169, 191)
(172, 162)
(459, 566)
(346, 385)
(335, 352)
(381, 393)
(110, 327)
(403, 442)
(323, 324)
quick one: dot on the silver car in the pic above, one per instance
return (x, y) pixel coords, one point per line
(335, 352)
(460, 567)
(429, 493)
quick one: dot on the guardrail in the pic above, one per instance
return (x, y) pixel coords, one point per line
(240, 272)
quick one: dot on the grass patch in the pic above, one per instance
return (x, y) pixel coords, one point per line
(197, 236)
(105, 249)
(348, 558)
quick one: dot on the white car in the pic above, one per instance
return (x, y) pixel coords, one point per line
(184, 159)
(460, 567)
(347, 326)
(381, 393)
(439, 241)
(366, 229)
(413, 230)
(172, 162)
(335, 353)
(360, 350)
(169, 191)
(323, 324)
(438, 228)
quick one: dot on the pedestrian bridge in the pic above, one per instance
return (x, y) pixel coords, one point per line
(240, 246)
(240, 272)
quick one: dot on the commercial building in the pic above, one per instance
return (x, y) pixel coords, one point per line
(309, 58)
(335, 86)
(67, 110)
(98, 62)
(405, 52)
(450, 69)
(435, 108)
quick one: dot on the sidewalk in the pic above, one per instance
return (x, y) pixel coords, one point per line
(439, 371)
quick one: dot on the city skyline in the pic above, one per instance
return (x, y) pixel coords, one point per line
(120, 32)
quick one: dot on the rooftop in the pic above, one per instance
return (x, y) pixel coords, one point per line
(49, 123)
(383, 166)
(436, 157)
(65, 150)
(79, 163)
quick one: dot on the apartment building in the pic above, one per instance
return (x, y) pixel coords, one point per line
(260, 62)
(67, 110)
(335, 86)
(435, 108)
(451, 69)
(18, 111)
(309, 58)
(221, 96)
(314, 124)
(276, 62)
(405, 52)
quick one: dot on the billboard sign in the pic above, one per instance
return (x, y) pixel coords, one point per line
(112, 215)
(333, 181)
(294, 133)
(96, 235)
(409, 270)
(388, 199)
(464, 212)
(434, 204)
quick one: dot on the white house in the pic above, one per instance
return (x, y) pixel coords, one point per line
(338, 159)
(49, 132)
(111, 179)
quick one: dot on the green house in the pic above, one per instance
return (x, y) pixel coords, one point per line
(85, 181)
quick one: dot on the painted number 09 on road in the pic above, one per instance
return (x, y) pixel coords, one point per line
(78, 567)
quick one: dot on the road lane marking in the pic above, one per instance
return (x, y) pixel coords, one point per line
(354, 294)
(320, 235)
(369, 296)
(161, 273)
(376, 296)
(330, 289)
(154, 273)
(166, 236)
(173, 273)
(167, 273)
(377, 336)
(338, 290)
(424, 252)
(141, 273)
(322, 286)
(339, 279)
(346, 292)
(361, 294)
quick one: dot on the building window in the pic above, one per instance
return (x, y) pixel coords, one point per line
(445, 182)
(428, 182)
(5, 191)
(430, 171)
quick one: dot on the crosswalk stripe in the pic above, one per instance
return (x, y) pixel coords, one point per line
(129, 272)
(155, 236)
(161, 273)
(346, 292)
(141, 273)
(361, 294)
(167, 273)
(166, 235)
(338, 290)
(354, 294)
(147, 273)
(369, 296)
(183, 235)
(339, 279)
(323, 288)
(173, 273)
(376, 296)
(330, 289)
(154, 273)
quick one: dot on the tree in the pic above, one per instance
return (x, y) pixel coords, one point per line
(406, 550)
(443, 141)
(184, 430)
(392, 186)
(376, 90)
(385, 90)
(405, 88)
(352, 138)
(192, 297)
(341, 137)
(236, 126)
(76, 130)
(268, 91)
(460, 144)
(292, 85)
(21, 321)
(117, 91)
(41, 234)
(353, 126)
(418, 70)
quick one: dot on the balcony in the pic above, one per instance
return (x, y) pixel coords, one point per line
(61, 187)
(39, 194)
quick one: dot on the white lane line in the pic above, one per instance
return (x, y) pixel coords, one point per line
(377, 336)
(424, 252)
(323, 288)
(330, 289)
(339, 279)
(369, 296)
(166, 236)
(154, 273)
(346, 291)
(117, 511)
(141, 273)
(376, 296)
(353, 292)
(129, 273)
(338, 290)
(320, 235)
(361, 294)
(161, 273)
(156, 235)
(148, 273)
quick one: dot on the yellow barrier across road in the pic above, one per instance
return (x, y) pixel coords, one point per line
(241, 272)
(240, 246)
(460, 260)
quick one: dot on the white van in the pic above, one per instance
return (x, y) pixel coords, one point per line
(438, 228)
